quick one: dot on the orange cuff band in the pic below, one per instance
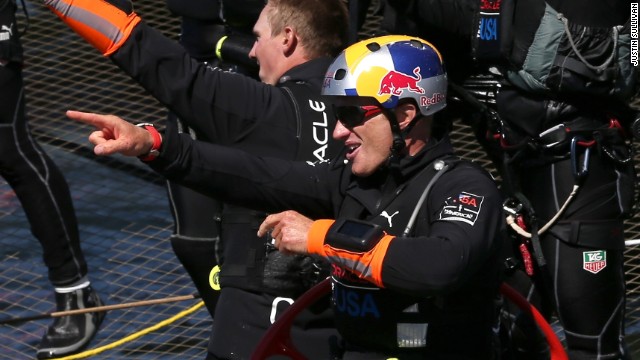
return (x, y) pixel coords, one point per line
(103, 25)
(316, 236)
(377, 258)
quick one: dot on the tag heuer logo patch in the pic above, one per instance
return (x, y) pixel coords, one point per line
(594, 261)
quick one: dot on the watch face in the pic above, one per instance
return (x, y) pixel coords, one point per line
(355, 229)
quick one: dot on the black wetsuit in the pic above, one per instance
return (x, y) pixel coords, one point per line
(288, 121)
(584, 249)
(35, 178)
(448, 262)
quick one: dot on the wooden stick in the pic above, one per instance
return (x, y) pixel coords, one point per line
(99, 309)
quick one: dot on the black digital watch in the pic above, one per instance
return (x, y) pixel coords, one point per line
(354, 235)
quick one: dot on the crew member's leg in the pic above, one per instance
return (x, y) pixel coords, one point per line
(578, 291)
(45, 197)
(586, 265)
(584, 278)
(196, 234)
(521, 338)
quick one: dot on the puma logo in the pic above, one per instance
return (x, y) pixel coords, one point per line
(389, 217)
(7, 29)
(5, 32)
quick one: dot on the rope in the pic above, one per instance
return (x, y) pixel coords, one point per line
(522, 232)
(98, 309)
(136, 335)
(606, 63)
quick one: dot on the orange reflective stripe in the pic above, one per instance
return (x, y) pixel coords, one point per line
(101, 24)
(316, 236)
(367, 265)
(377, 258)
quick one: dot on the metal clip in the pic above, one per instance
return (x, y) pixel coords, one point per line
(580, 169)
(512, 207)
(553, 136)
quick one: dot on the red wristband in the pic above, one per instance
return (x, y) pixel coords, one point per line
(157, 142)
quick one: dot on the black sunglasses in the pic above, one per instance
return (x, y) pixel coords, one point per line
(352, 116)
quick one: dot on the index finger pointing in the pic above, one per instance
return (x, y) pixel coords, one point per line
(97, 120)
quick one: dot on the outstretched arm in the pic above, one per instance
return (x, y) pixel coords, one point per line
(114, 134)
(104, 24)
(221, 106)
(232, 175)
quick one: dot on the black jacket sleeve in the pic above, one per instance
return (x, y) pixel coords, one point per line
(224, 106)
(237, 177)
(462, 241)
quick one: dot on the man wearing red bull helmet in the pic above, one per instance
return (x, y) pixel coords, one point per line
(414, 246)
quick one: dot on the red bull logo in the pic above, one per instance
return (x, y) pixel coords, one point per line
(394, 83)
(434, 99)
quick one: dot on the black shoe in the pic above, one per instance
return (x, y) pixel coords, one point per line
(69, 334)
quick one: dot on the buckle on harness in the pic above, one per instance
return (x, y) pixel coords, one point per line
(512, 206)
(412, 335)
(553, 136)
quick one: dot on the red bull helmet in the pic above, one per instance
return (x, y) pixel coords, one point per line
(388, 69)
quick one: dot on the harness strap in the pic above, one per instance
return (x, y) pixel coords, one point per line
(583, 69)
(543, 277)
(594, 233)
(560, 134)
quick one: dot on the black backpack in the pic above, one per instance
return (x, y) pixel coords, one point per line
(543, 52)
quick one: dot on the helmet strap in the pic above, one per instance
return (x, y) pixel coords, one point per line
(407, 130)
(398, 137)
(396, 148)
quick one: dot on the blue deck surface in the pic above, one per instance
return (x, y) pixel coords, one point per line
(122, 207)
(125, 226)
